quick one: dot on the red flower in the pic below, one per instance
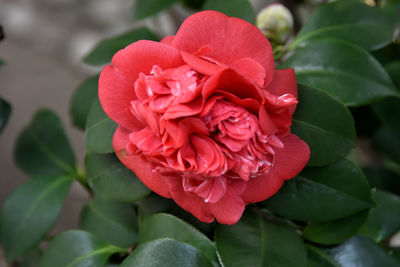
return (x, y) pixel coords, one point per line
(203, 116)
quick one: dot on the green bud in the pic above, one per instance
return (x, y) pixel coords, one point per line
(276, 22)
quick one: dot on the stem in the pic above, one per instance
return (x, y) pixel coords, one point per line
(82, 179)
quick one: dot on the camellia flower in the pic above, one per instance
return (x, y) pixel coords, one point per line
(203, 116)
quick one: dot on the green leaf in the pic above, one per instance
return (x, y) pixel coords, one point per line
(360, 251)
(111, 180)
(334, 232)
(318, 258)
(322, 194)
(393, 69)
(5, 110)
(235, 8)
(392, 9)
(99, 130)
(384, 179)
(387, 140)
(328, 127)
(30, 212)
(82, 101)
(386, 54)
(351, 21)
(164, 225)
(104, 50)
(116, 223)
(77, 249)
(152, 204)
(388, 111)
(343, 70)
(166, 253)
(1, 62)
(384, 219)
(31, 259)
(256, 241)
(42, 148)
(147, 8)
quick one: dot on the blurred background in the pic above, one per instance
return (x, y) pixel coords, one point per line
(45, 41)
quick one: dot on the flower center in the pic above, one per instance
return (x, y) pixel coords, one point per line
(163, 88)
(250, 151)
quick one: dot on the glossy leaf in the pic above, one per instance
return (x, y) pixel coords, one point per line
(114, 222)
(82, 101)
(111, 180)
(360, 251)
(347, 20)
(318, 258)
(387, 140)
(322, 194)
(343, 70)
(388, 110)
(393, 69)
(77, 249)
(5, 110)
(99, 130)
(152, 204)
(392, 9)
(328, 127)
(384, 219)
(30, 212)
(256, 241)
(104, 50)
(235, 8)
(42, 148)
(147, 8)
(167, 253)
(164, 225)
(334, 232)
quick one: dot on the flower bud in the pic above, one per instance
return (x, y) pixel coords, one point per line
(276, 22)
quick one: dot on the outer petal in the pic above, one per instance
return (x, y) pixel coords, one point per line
(168, 39)
(141, 56)
(191, 203)
(284, 82)
(143, 169)
(115, 94)
(230, 208)
(230, 39)
(289, 161)
(116, 83)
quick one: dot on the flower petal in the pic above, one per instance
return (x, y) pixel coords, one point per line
(230, 39)
(191, 203)
(115, 95)
(250, 68)
(168, 39)
(289, 161)
(229, 209)
(284, 82)
(116, 83)
(230, 81)
(144, 169)
(141, 56)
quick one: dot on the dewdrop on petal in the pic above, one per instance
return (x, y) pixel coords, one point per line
(276, 22)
